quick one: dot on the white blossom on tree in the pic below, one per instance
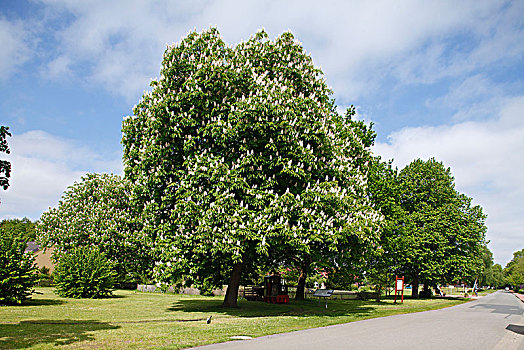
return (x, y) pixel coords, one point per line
(96, 212)
(239, 150)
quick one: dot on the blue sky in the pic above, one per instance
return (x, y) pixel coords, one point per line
(441, 79)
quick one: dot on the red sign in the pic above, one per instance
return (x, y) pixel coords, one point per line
(399, 287)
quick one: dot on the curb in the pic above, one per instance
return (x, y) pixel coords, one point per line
(520, 296)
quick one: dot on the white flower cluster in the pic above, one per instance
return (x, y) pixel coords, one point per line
(241, 147)
(95, 211)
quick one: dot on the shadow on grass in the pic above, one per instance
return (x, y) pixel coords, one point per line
(53, 332)
(42, 302)
(115, 296)
(261, 309)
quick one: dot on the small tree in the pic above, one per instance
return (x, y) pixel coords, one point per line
(84, 272)
(18, 272)
(96, 212)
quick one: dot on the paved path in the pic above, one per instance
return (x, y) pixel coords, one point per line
(495, 321)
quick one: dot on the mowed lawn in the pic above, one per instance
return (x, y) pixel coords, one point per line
(134, 320)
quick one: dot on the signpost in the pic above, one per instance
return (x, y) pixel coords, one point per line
(323, 293)
(399, 287)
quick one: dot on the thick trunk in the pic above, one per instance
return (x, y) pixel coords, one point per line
(301, 285)
(414, 287)
(230, 300)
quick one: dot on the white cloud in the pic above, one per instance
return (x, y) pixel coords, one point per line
(356, 43)
(487, 160)
(473, 98)
(365, 48)
(15, 50)
(43, 166)
(58, 68)
(478, 35)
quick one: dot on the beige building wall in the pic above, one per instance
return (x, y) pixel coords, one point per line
(44, 259)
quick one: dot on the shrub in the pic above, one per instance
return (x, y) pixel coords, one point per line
(84, 272)
(18, 272)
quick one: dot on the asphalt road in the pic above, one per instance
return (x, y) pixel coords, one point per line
(495, 321)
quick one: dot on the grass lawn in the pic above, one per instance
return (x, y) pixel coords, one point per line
(134, 320)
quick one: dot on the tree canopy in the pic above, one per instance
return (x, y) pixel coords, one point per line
(514, 270)
(384, 192)
(23, 228)
(238, 150)
(490, 274)
(443, 232)
(96, 212)
(18, 271)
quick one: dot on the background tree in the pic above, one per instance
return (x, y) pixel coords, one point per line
(488, 273)
(498, 276)
(444, 233)
(96, 212)
(18, 272)
(23, 228)
(236, 151)
(384, 191)
(514, 271)
(5, 166)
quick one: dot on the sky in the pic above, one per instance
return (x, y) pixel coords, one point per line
(442, 79)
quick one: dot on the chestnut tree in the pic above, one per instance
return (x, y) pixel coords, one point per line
(238, 151)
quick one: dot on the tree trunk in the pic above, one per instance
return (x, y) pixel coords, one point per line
(301, 285)
(414, 287)
(426, 290)
(230, 300)
(378, 291)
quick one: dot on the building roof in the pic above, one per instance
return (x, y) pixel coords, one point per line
(32, 247)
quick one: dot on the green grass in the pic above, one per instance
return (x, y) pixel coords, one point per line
(486, 292)
(133, 320)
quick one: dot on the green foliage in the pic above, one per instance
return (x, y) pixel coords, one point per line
(342, 278)
(443, 232)
(514, 270)
(5, 166)
(18, 273)
(238, 151)
(430, 233)
(96, 212)
(23, 228)
(84, 272)
(384, 192)
(45, 271)
(498, 276)
(318, 278)
(490, 274)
